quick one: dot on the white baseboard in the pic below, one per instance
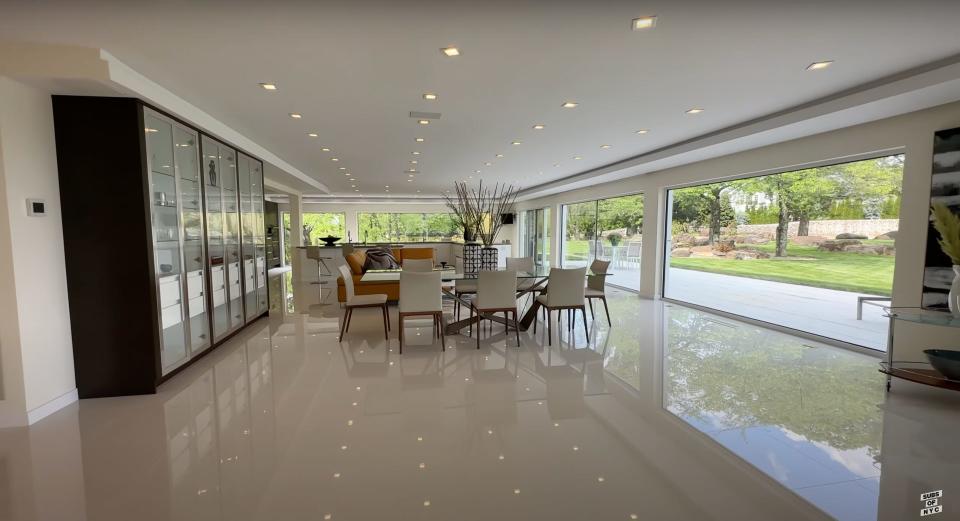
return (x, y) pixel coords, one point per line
(52, 406)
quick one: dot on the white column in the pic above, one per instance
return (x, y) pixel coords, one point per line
(296, 236)
(651, 256)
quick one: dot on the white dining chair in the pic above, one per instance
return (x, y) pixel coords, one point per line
(462, 287)
(525, 285)
(496, 293)
(596, 287)
(420, 296)
(355, 301)
(419, 265)
(565, 291)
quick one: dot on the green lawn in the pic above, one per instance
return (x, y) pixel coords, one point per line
(832, 270)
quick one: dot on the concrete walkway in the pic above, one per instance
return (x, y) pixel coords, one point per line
(824, 312)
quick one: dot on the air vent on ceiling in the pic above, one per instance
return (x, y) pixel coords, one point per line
(424, 115)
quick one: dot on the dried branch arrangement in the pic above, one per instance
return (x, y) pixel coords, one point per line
(481, 210)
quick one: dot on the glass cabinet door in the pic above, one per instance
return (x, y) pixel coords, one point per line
(187, 161)
(213, 189)
(256, 191)
(168, 255)
(231, 235)
(248, 246)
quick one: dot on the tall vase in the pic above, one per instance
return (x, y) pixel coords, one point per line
(953, 298)
(488, 258)
(471, 258)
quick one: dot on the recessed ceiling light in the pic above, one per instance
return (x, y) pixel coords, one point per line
(499, 155)
(419, 140)
(539, 173)
(577, 158)
(488, 163)
(356, 190)
(325, 149)
(515, 143)
(409, 180)
(418, 191)
(476, 171)
(450, 51)
(334, 159)
(644, 22)
(569, 104)
(294, 115)
(342, 167)
(413, 161)
(424, 121)
(353, 186)
(819, 65)
(604, 146)
(313, 134)
(642, 131)
(469, 177)
(268, 86)
(148, 129)
(429, 96)
(412, 171)
(538, 127)
(415, 153)
(556, 164)
(694, 111)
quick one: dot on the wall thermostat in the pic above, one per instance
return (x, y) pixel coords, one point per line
(36, 207)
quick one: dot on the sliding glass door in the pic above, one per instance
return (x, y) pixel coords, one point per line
(535, 235)
(811, 250)
(606, 229)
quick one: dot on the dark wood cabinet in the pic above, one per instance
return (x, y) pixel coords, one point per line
(142, 243)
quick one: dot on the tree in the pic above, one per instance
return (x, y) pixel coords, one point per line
(705, 205)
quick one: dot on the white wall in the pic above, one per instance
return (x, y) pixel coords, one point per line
(37, 352)
(910, 133)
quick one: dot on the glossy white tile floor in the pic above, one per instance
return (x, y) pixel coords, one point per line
(670, 414)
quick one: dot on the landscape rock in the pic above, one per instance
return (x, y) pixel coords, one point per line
(889, 236)
(838, 245)
(680, 252)
(851, 236)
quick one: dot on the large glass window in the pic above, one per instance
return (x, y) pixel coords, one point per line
(315, 225)
(811, 249)
(607, 229)
(535, 235)
(406, 227)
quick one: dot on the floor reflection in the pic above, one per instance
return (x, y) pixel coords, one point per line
(668, 414)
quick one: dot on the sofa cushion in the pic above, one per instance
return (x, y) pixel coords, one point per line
(417, 253)
(355, 260)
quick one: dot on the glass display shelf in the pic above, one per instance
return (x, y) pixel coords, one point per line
(923, 316)
(919, 372)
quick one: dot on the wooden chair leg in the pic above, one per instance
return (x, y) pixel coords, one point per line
(443, 340)
(586, 327)
(400, 325)
(349, 317)
(516, 327)
(479, 321)
(386, 329)
(550, 327)
(343, 324)
(470, 330)
(590, 302)
(607, 310)
(387, 308)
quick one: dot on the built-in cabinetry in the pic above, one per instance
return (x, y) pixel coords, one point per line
(163, 232)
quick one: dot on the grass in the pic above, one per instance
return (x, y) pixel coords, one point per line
(807, 266)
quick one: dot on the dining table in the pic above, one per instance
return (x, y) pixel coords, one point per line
(540, 277)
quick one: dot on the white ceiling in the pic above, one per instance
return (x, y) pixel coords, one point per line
(355, 70)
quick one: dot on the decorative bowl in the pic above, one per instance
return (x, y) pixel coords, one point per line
(329, 240)
(947, 361)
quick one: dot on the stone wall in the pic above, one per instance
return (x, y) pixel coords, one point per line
(827, 228)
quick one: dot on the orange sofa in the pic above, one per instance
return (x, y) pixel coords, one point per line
(356, 260)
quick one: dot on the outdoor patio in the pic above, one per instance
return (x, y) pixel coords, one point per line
(825, 312)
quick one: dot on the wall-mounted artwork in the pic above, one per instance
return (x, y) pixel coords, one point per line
(945, 189)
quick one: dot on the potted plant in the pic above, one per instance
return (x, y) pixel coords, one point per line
(614, 239)
(481, 211)
(947, 225)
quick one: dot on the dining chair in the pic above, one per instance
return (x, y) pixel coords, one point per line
(462, 287)
(633, 252)
(420, 296)
(355, 301)
(596, 287)
(565, 291)
(497, 293)
(419, 265)
(525, 285)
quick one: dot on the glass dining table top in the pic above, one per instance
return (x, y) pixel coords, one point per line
(449, 273)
